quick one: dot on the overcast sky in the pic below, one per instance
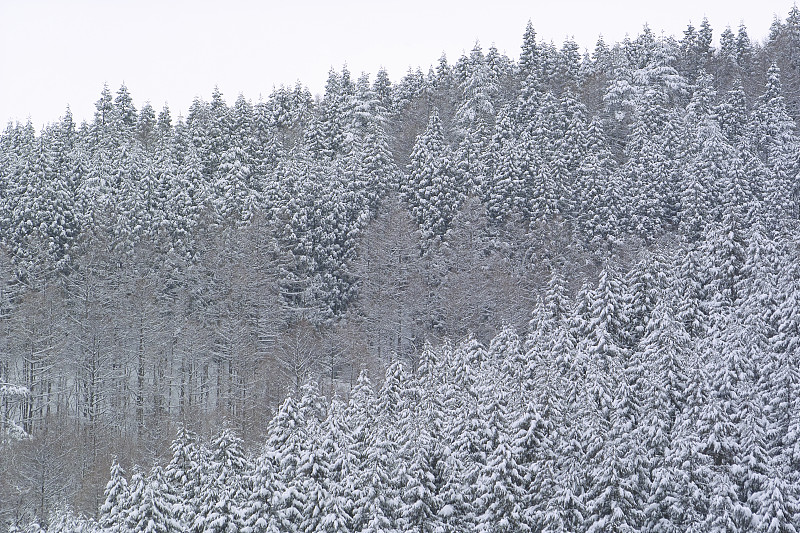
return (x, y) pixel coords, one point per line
(55, 53)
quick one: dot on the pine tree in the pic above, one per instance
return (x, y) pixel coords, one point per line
(319, 510)
(152, 506)
(145, 126)
(125, 114)
(708, 180)
(678, 499)
(429, 185)
(183, 474)
(103, 116)
(503, 189)
(723, 511)
(419, 496)
(383, 89)
(652, 170)
(337, 444)
(533, 437)
(255, 511)
(725, 249)
(597, 203)
(377, 166)
(233, 197)
(478, 92)
(500, 490)
(111, 511)
(529, 57)
(287, 444)
(605, 336)
(731, 114)
(776, 143)
(778, 507)
(222, 489)
(65, 521)
(783, 379)
(664, 350)
(615, 500)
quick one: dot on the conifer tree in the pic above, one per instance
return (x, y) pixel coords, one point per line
(152, 507)
(615, 499)
(500, 490)
(778, 507)
(111, 511)
(183, 474)
(429, 185)
(287, 444)
(529, 62)
(504, 188)
(776, 143)
(597, 203)
(223, 486)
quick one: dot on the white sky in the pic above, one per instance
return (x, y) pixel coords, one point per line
(59, 52)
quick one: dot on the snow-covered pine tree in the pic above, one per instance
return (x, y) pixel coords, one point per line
(774, 140)
(153, 508)
(429, 186)
(111, 511)
(223, 488)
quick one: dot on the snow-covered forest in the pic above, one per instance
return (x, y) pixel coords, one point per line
(553, 292)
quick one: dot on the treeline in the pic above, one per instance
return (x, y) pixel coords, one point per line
(156, 271)
(662, 400)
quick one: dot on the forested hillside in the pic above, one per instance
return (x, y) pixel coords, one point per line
(573, 278)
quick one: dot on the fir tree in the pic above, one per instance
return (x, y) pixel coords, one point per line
(112, 510)
(429, 187)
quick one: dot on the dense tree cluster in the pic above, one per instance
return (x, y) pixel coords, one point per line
(638, 404)
(640, 200)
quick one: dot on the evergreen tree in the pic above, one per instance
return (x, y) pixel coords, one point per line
(778, 507)
(222, 488)
(615, 500)
(183, 474)
(500, 490)
(774, 139)
(529, 62)
(597, 188)
(504, 189)
(152, 506)
(429, 185)
(111, 511)
(287, 445)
